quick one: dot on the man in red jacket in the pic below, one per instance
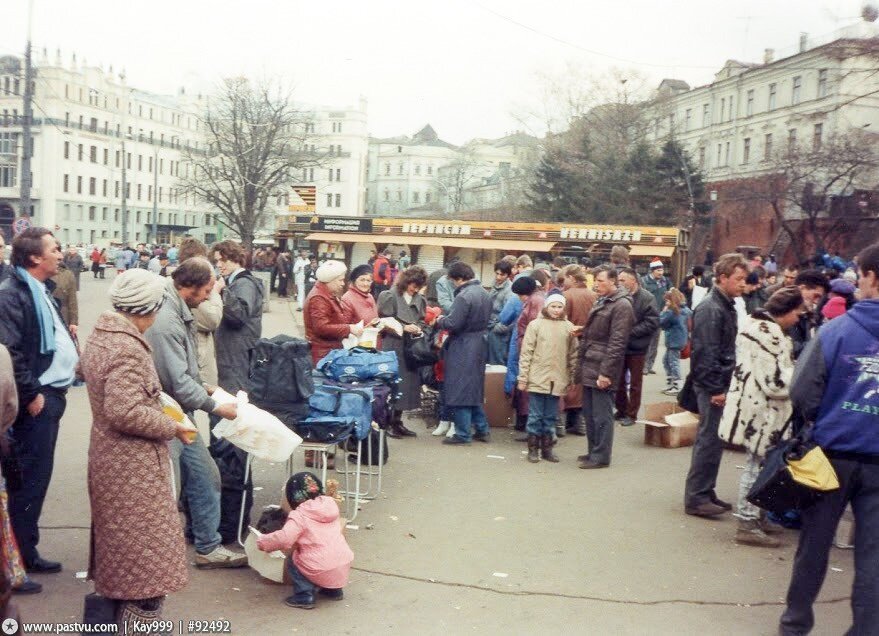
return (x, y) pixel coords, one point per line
(381, 273)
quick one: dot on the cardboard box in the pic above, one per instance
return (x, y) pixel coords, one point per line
(498, 409)
(668, 425)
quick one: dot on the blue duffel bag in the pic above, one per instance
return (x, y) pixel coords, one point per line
(358, 364)
(329, 401)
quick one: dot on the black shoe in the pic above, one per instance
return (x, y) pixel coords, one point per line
(455, 440)
(404, 432)
(28, 587)
(582, 458)
(720, 502)
(42, 566)
(589, 464)
(305, 603)
(483, 438)
(706, 509)
(392, 433)
(333, 595)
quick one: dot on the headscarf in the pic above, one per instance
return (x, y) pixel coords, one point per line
(330, 270)
(302, 487)
(138, 292)
(524, 286)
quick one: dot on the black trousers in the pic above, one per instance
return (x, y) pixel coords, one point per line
(33, 441)
(858, 484)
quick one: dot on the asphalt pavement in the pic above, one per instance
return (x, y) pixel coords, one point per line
(477, 540)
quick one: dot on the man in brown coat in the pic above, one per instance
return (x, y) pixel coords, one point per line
(602, 350)
(579, 300)
(65, 294)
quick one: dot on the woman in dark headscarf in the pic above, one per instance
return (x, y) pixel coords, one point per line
(358, 300)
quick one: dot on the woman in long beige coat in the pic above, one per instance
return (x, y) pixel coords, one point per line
(137, 549)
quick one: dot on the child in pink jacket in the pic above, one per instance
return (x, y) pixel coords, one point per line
(320, 555)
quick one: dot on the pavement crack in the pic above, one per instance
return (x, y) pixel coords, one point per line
(586, 597)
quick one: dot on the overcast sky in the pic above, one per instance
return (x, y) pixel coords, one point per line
(464, 66)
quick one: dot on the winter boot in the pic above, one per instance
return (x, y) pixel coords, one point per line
(533, 449)
(546, 444)
(750, 533)
(560, 430)
(451, 431)
(442, 428)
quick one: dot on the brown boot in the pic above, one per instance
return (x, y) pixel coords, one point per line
(750, 533)
(533, 449)
(546, 444)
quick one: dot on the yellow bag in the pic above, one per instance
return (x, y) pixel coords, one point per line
(814, 471)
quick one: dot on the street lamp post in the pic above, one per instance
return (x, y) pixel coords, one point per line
(155, 194)
(712, 196)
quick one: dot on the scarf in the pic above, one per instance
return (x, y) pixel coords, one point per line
(45, 320)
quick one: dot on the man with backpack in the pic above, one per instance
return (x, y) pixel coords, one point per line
(172, 338)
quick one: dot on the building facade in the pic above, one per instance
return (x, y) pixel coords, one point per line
(89, 128)
(736, 128)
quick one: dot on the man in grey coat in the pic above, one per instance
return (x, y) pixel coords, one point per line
(499, 334)
(464, 355)
(172, 338)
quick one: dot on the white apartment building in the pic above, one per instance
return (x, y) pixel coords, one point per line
(733, 127)
(402, 172)
(341, 183)
(83, 117)
(492, 174)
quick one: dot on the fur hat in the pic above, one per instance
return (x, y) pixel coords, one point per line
(656, 264)
(360, 270)
(330, 270)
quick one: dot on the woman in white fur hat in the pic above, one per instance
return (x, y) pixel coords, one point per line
(325, 315)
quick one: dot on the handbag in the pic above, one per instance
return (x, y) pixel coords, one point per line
(687, 396)
(795, 475)
(419, 350)
(688, 348)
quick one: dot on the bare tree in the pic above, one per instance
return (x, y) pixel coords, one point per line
(456, 177)
(805, 185)
(255, 140)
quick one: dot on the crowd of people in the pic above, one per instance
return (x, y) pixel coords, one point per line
(773, 350)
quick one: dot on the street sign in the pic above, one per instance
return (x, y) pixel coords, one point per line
(21, 224)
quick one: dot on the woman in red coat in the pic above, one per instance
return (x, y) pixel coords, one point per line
(357, 300)
(325, 315)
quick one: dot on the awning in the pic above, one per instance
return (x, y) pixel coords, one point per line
(651, 250)
(445, 240)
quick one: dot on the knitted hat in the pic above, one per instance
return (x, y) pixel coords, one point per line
(834, 308)
(554, 297)
(842, 286)
(656, 264)
(524, 286)
(330, 270)
(302, 487)
(360, 270)
(851, 275)
(137, 291)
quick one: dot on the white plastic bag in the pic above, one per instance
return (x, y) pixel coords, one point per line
(268, 564)
(258, 432)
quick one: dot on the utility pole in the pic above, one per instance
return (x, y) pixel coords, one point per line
(155, 194)
(122, 134)
(27, 121)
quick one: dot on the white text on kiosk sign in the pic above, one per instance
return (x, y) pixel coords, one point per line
(599, 235)
(435, 228)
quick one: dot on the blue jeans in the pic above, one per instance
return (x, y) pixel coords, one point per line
(446, 413)
(543, 411)
(672, 363)
(33, 441)
(464, 416)
(303, 589)
(199, 480)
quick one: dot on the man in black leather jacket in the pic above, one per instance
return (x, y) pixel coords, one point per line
(646, 324)
(711, 368)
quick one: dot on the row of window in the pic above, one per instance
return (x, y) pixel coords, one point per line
(416, 196)
(401, 169)
(728, 106)
(309, 127)
(94, 99)
(139, 216)
(173, 193)
(722, 158)
(149, 136)
(174, 166)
